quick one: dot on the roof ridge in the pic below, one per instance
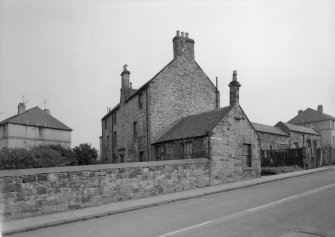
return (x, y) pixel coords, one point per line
(34, 116)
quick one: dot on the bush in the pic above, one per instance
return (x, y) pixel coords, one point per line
(67, 154)
(85, 154)
(18, 158)
(47, 156)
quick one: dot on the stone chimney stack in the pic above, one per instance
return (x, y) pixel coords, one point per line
(320, 108)
(183, 46)
(125, 77)
(125, 84)
(21, 108)
(234, 89)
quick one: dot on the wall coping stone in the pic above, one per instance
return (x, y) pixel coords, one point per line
(22, 172)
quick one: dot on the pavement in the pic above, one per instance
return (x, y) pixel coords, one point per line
(66, 217)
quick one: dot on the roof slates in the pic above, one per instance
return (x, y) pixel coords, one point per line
(36, 117)
(194, 125)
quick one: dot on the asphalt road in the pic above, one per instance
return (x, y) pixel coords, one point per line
(302, 206)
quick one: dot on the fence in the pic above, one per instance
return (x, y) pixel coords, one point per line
(304, 157)
(325, 156)
(284, 157)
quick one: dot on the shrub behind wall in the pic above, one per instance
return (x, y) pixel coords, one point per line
(44, 156)
(20, 158)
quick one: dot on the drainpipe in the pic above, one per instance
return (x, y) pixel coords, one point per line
(148, 124)
(217, 94)
(210, 157)
(26, 134)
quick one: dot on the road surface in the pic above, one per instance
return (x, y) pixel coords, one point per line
(302, 206)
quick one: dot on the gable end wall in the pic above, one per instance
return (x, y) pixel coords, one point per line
(181, 89)
(227, 149)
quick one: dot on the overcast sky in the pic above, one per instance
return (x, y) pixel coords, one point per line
(71, 53)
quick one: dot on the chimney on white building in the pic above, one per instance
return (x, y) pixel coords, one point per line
(320, 108)
(21, 108)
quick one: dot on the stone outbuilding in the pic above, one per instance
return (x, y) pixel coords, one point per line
(287, 136)
(272, 138)
(224, 135)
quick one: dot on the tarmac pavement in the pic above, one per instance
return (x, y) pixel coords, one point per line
(60, 218)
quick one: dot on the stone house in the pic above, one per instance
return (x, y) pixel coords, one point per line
(287, 136)
(33, 127)
(323, 123)
(177, 115)
(181, 88)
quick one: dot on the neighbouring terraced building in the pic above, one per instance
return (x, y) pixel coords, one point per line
(318, 120)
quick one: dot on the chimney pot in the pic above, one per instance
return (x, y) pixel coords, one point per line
(234, 75)
(131, 85)
(183, 47)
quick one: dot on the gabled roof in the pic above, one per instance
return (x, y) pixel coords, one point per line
(310, 115)
(36, 117)
(301, 129)
(194, 125)
(111, 111)
(269, 129)
(136, 91)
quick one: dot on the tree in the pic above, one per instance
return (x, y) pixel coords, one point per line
(85, 154)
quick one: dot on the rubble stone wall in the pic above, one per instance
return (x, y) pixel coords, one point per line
(32, 192)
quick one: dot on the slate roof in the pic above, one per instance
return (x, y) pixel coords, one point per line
(310, 115)
(269, 129)
(301, 129)
(194, 125)
(36, 117)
